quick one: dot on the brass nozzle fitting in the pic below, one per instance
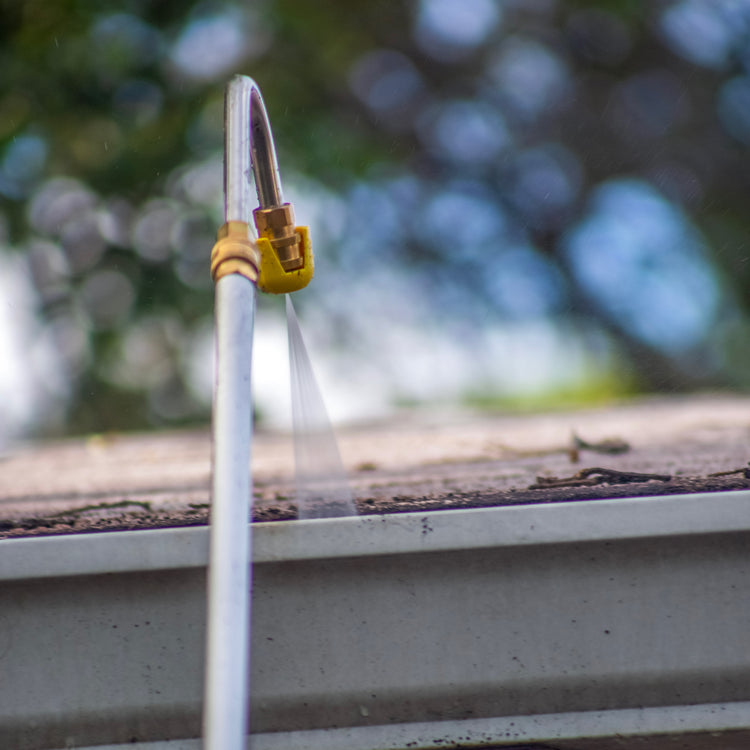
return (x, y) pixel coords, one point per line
(277, 226)
(235, 252)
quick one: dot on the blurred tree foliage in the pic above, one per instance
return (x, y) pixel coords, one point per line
(584, 163)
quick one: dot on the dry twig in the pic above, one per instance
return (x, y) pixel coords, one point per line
(596, 475)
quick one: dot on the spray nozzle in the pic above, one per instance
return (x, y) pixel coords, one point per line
(277, 226)
(285, 252)
(286, 260)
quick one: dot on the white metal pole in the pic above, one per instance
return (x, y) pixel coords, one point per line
(227, 688)
(227, 655)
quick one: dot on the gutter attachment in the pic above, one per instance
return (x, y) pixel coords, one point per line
(279, 261)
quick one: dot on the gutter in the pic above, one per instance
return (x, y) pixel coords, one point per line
(574, 625)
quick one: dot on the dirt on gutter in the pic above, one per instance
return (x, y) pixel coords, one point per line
(414, 462)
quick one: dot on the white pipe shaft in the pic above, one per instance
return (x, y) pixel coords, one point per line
(228, 639)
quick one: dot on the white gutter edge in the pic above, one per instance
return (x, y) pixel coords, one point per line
(397, 533)
(711, 718)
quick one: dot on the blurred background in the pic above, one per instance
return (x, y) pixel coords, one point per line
(530, 203)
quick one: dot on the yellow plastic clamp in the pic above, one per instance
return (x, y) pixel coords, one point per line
(272, 278)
